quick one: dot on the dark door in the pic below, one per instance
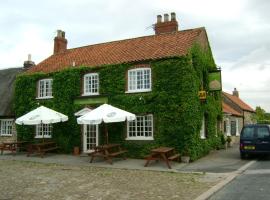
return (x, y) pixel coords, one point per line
(263, 138)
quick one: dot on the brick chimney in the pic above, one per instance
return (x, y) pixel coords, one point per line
(235, 93)
(28, 63)
(60, 42)
(167, 26)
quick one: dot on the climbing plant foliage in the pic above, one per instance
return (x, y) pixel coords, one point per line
(173, 101)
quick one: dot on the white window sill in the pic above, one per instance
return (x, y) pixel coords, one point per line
(6, 135)
(138, 91)
(140, 138)
(41, 137)
(44, 97)
(90, 94)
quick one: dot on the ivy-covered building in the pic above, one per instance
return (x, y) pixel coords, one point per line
(156, 77)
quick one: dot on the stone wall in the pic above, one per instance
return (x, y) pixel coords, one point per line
(248, 118)
(10, 138)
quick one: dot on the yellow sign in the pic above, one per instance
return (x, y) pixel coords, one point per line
(202, 95)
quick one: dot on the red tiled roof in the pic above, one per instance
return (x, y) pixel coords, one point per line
(239, 102)
(227, 109)
(123, 51)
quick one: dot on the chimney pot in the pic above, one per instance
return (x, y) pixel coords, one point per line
(29, 57)
(28, 63)
(159, 19)
(235, 93)
(166, 17)
(166, 26)
(173, 16)
(59, 33)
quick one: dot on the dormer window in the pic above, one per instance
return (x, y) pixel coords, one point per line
(91, 84)
(139, 80)
(45, 88)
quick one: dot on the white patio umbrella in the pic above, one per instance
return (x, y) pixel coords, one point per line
(41, 115)
(107, 114)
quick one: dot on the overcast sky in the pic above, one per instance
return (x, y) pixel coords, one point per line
(238, 32)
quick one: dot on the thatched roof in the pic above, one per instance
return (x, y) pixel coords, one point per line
(7, 80)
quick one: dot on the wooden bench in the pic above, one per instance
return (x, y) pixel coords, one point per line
(162, 153)
(4, 147)
(42, 148)
(108, 152)
(12, 146)
(174, 157)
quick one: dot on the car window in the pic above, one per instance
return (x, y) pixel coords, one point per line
(262, 132)
(247, 132)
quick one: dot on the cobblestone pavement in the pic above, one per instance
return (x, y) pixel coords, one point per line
(31, 180)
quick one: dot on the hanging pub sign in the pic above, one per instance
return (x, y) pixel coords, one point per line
(202, 95)
(215, 81)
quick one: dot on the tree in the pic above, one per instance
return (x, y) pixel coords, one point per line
(261, 116)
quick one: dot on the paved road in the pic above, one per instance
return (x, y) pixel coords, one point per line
(252, 184)
(222, 161)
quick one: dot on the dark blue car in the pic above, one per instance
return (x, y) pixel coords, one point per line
(255, 139)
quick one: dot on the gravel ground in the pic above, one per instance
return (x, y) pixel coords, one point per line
(30, 180)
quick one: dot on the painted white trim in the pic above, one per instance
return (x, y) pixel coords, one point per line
(202, 131)
(50, 84)
(85, 150)
(40, 137)
(84, 84)
(136, 90)
(1, 131)
(47, 97)
(43, 136)
(237, 127)
(228, 127)
(141, 137)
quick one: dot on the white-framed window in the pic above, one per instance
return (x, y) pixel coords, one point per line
(91, 84)
(43, 131)
(203, 130)
(139, 80)
(6, 127)
(45, 88)
(141, 128)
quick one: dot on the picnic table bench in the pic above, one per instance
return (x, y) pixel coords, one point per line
(42, 148)
(108, 152)
(12, 146)
(162, 153)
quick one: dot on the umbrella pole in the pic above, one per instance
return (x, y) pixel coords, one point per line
(106, 133)
(42, 133)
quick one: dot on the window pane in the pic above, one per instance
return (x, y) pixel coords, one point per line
(44, 130)
(248, 132)
(6, 127)
(233, 127)
(91, 84)
(141, 127)
(139, 79)
(45, 88)
(262, 132)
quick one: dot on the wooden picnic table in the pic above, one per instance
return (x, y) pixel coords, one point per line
(41, 148)
(162, 153)
(107, 152)
(12, 146)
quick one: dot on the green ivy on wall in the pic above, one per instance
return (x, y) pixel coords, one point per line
(174, 103)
